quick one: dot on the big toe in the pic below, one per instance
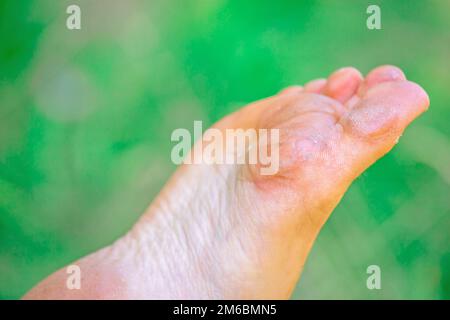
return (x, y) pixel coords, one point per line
(380, 117)
(386, 73)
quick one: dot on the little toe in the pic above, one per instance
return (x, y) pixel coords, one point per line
(291, 90)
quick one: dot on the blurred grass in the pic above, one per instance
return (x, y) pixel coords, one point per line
(86, 117)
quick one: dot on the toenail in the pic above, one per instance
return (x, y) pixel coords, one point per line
(387, 73)
(394, 74)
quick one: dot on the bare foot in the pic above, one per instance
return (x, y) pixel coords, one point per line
(225, 231)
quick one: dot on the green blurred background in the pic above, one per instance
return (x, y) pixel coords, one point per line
(86, 118)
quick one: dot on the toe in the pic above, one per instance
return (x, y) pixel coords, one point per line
(383, 113)
(381, 74)
(343, 84)
(315, 86)
(291, 90)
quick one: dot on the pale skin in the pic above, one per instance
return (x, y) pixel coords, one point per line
(228, 232)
